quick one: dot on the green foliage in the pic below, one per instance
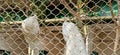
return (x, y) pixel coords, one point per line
(43, 52)
(12, 16)
(46, 10)
(94, 53)
(5, 52)
(102, 8)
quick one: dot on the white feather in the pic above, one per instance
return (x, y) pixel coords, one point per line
(74, 40)
(3, 44)
(31, 29)
(31, 25)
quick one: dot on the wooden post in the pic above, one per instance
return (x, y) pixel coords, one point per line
(116, 29)
(87, 39)
(111, 8)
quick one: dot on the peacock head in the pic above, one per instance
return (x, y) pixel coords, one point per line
(35, 16)
(67, 19)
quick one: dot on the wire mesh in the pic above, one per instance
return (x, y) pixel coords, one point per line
(97, 19)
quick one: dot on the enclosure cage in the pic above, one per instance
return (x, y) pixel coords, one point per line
(98, 20)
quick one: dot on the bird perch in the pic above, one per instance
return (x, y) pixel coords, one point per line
(117, 27)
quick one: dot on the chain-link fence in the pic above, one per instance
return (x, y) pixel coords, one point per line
(97, 19)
